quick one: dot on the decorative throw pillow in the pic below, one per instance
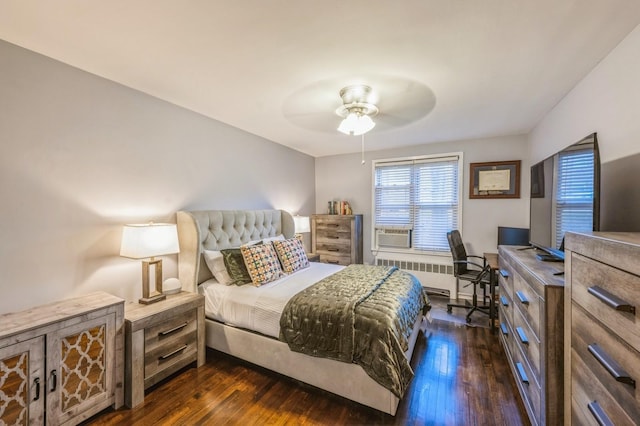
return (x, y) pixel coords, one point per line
(291, 254)
(262, 263)
(215, 262)
(234, 262)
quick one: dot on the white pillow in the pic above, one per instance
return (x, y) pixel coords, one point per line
(276, 238)
(215, 262)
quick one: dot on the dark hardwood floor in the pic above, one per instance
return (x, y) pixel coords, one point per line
(461, 378)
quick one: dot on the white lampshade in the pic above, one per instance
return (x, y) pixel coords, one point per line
(356, 124)
(301, 224)
(141, 241)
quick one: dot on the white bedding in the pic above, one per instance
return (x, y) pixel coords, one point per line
(259, 308)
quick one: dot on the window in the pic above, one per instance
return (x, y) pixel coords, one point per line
(421, 194)
(575, 191)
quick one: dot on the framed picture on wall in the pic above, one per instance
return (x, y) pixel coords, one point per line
(498, 179)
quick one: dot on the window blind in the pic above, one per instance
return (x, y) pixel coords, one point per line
(422, 195)
(574, 203)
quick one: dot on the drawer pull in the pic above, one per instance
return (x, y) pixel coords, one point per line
(522, 297)
(36, 382)
(611, 300)
(172, 353)
(54, 380)
(504, 329)
(333, 249)
(504, 301)
(521, 373)
(174, 329)
(522, 335)
(335, 262)
(616, 371)
(598, 413)
(504, 273)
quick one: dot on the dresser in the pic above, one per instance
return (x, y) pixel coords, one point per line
(161, 338)
(337, 238)
(531, 303)
(61, 363)
(602, 328)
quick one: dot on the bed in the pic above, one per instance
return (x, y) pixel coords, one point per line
(201, 231)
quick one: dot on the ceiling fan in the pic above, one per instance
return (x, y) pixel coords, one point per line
(356, 110)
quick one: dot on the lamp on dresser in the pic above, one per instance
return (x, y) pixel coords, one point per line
(146, 241)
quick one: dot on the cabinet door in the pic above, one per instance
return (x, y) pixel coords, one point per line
(22, 383)
(80, 368)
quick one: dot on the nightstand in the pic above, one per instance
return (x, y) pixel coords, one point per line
(313, 257)
(160, 339)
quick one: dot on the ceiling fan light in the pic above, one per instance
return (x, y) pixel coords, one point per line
(365, 123)
(356, 124)
(348, 125)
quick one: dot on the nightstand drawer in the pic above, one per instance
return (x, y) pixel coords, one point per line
(178, 349)
(169, 330)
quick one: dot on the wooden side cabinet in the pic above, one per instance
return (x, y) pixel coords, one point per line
(62, 362)
(161, 338)
(337, 238)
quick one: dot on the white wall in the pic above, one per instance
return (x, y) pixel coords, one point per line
(343, 177)
(82, 155)
(606, 101)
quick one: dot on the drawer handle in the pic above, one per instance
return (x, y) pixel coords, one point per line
(335, 262)
(504, 273)
(522, 297)
(172, 353)
(611, 366)
(522, 335)
(504, 329)
(611, 300)
(598, 413)
(333, 249)
(523, 376)
(54, 380)
(174, 329)
(504, 301)
(36, 382)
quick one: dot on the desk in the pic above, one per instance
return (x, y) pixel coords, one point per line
(492, 261)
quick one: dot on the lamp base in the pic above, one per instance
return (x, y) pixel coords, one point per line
(151, 299)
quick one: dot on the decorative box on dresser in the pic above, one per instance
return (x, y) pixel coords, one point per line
(531, 330)
(162, 338)
(602, 328)
(62, 362)
(337, 238)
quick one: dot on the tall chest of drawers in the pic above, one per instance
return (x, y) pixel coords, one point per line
(531, 330)
(602, 328)
(337, 238)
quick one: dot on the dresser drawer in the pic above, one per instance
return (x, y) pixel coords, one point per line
(594, 284)
(589, 397)
(531, 392)
(170, 329)
(333, 246)
(527, 301)
(605, 356)
(528, 343)
(335, 258)
(334, 225)
(505, 279)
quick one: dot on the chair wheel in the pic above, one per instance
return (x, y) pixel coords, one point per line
(468, 320)
(448, 309)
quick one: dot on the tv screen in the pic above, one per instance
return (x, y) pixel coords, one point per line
(565, 196)
(508, 236)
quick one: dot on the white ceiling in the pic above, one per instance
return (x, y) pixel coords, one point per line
(443, 69)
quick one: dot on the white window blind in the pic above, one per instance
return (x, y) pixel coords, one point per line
(574, 203)
(419, 194)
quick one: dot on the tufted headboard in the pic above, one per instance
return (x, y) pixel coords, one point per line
(221, 229)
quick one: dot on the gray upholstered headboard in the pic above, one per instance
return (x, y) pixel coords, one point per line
(221, 229)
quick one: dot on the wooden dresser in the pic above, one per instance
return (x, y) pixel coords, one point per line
(602, 328)
(337, 238)
(61, 363)
(531, 330)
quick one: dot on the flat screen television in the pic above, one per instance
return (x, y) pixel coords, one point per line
(565, 196)
(508, 236)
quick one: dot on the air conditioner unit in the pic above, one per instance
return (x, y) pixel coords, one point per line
(394, 238)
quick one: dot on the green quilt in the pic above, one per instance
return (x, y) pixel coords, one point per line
(362, 314)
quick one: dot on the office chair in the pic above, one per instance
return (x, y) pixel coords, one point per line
(465, 270)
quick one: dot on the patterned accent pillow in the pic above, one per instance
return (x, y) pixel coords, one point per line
(262, 263)
(291, 254)
(234, 262)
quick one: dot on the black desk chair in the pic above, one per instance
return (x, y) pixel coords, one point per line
(465, 270)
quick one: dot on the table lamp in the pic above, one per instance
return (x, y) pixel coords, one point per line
(146, 241)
